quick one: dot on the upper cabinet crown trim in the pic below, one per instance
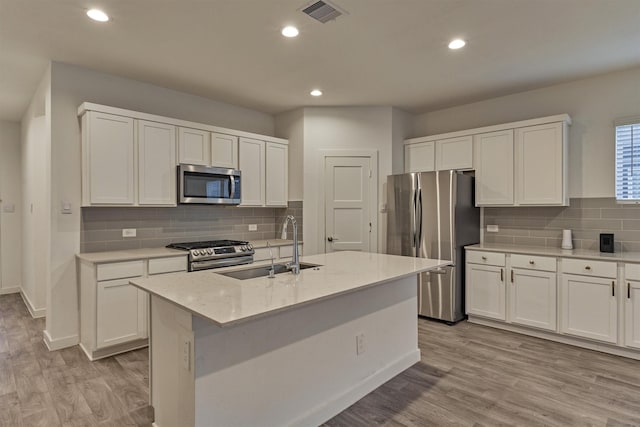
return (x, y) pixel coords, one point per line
(494, 128)
(89, 106)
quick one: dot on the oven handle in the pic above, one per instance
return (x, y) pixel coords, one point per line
(217, 263)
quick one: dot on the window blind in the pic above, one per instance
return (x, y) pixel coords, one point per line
(628, 162)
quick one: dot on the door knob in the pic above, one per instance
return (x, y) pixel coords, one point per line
(331, 238)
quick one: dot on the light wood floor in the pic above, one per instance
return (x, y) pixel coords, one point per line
(62, 388)
(469, 376)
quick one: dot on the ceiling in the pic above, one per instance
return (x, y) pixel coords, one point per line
(383, 52)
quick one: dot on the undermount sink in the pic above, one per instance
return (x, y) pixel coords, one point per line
(263, 271)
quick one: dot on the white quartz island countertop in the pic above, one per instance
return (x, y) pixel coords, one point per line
(227, 301)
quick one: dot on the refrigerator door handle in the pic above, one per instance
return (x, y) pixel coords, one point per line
(419, 221)
(414, 229)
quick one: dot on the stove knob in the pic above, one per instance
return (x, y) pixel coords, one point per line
(210, 251)
(244, 249)
(198, 252)
(249, 247)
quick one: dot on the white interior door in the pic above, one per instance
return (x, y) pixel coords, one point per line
(347, 204)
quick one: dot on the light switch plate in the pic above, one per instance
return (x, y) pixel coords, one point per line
(253, 227)
(492, 229)
(186, 353)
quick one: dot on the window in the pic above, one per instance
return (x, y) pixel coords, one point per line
(628, 161)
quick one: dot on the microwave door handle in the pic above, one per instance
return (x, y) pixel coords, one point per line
(233, 187)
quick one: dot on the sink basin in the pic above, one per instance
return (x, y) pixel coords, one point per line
(263, 271)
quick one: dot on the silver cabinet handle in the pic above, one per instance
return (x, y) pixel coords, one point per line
(484, 258)
(613, 288)
(588, 267)
(501, 275)
(532, 262)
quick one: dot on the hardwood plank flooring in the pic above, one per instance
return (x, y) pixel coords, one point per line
(469, 375)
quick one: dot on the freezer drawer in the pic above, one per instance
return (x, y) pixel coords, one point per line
(440, 294)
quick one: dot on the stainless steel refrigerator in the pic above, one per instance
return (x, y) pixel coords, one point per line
(432, 215)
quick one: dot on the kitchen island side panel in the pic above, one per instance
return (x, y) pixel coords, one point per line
(302, 367)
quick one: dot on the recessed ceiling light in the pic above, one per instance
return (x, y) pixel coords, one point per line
(316, 92)
(457, 44)
(97, 15)
(290, 31)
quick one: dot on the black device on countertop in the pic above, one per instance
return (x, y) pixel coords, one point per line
(606, 242)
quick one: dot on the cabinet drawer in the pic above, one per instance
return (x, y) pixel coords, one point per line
(632, 271)
(167, 265)
(530, 262)
(487, 258)
(589, 267)
(120, 270)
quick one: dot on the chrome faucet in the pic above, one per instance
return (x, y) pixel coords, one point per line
(294, 265)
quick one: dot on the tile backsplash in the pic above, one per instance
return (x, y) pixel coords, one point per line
(101, 228)
(587, 218)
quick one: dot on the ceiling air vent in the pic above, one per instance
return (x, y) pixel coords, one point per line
(322, 11)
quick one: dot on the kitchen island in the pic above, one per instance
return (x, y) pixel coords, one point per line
(292, 350)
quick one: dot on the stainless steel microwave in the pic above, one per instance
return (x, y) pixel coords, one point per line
(207, 185)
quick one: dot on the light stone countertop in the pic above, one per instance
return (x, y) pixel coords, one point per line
(273, 242)
(129, 255)
(226, 301)
(557, 252)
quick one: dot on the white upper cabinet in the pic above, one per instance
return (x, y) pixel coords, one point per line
(419, 157)
(194, 146)
(252, 165)
(277, 176)
(540, 159)
(156, 164)
(454, 153)
(224, 151)
(519, 163)
(108, 145)
(494, 168)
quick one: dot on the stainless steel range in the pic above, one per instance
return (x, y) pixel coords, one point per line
(216, 253)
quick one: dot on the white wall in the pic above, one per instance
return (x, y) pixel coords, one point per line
(592, 103)
(11, 208)
(342, 128)
(290, 125)
(36, 185)
(70, 86)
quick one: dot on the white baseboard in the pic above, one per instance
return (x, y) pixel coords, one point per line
(35, 312)
(328, 410)
(59, 343)
(564, 339)
(12, 290)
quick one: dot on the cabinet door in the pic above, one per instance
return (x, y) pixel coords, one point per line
(494, 168)
(486, 291)
(109, 141)
(532, 298)
(277, 175)
(632, 314)
(419, 157)
(156, 164)
(252, 167)
(224, 151)
(454, 153)
(194, 146)
(118, 313)
(539, 165)
(589, 307)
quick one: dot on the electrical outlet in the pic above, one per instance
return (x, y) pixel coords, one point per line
(359, 344)
(492, 229)
(253, 227)
(128, 232)
(186, 353)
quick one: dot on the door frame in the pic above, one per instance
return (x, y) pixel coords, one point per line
(372, 155)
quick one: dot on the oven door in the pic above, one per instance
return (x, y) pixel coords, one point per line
(201, 184)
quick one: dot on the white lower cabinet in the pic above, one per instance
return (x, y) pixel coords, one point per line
(632, 314)
(121, 313)
(486, 291)
(113, 313)
(532, 300)
(589, 307)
